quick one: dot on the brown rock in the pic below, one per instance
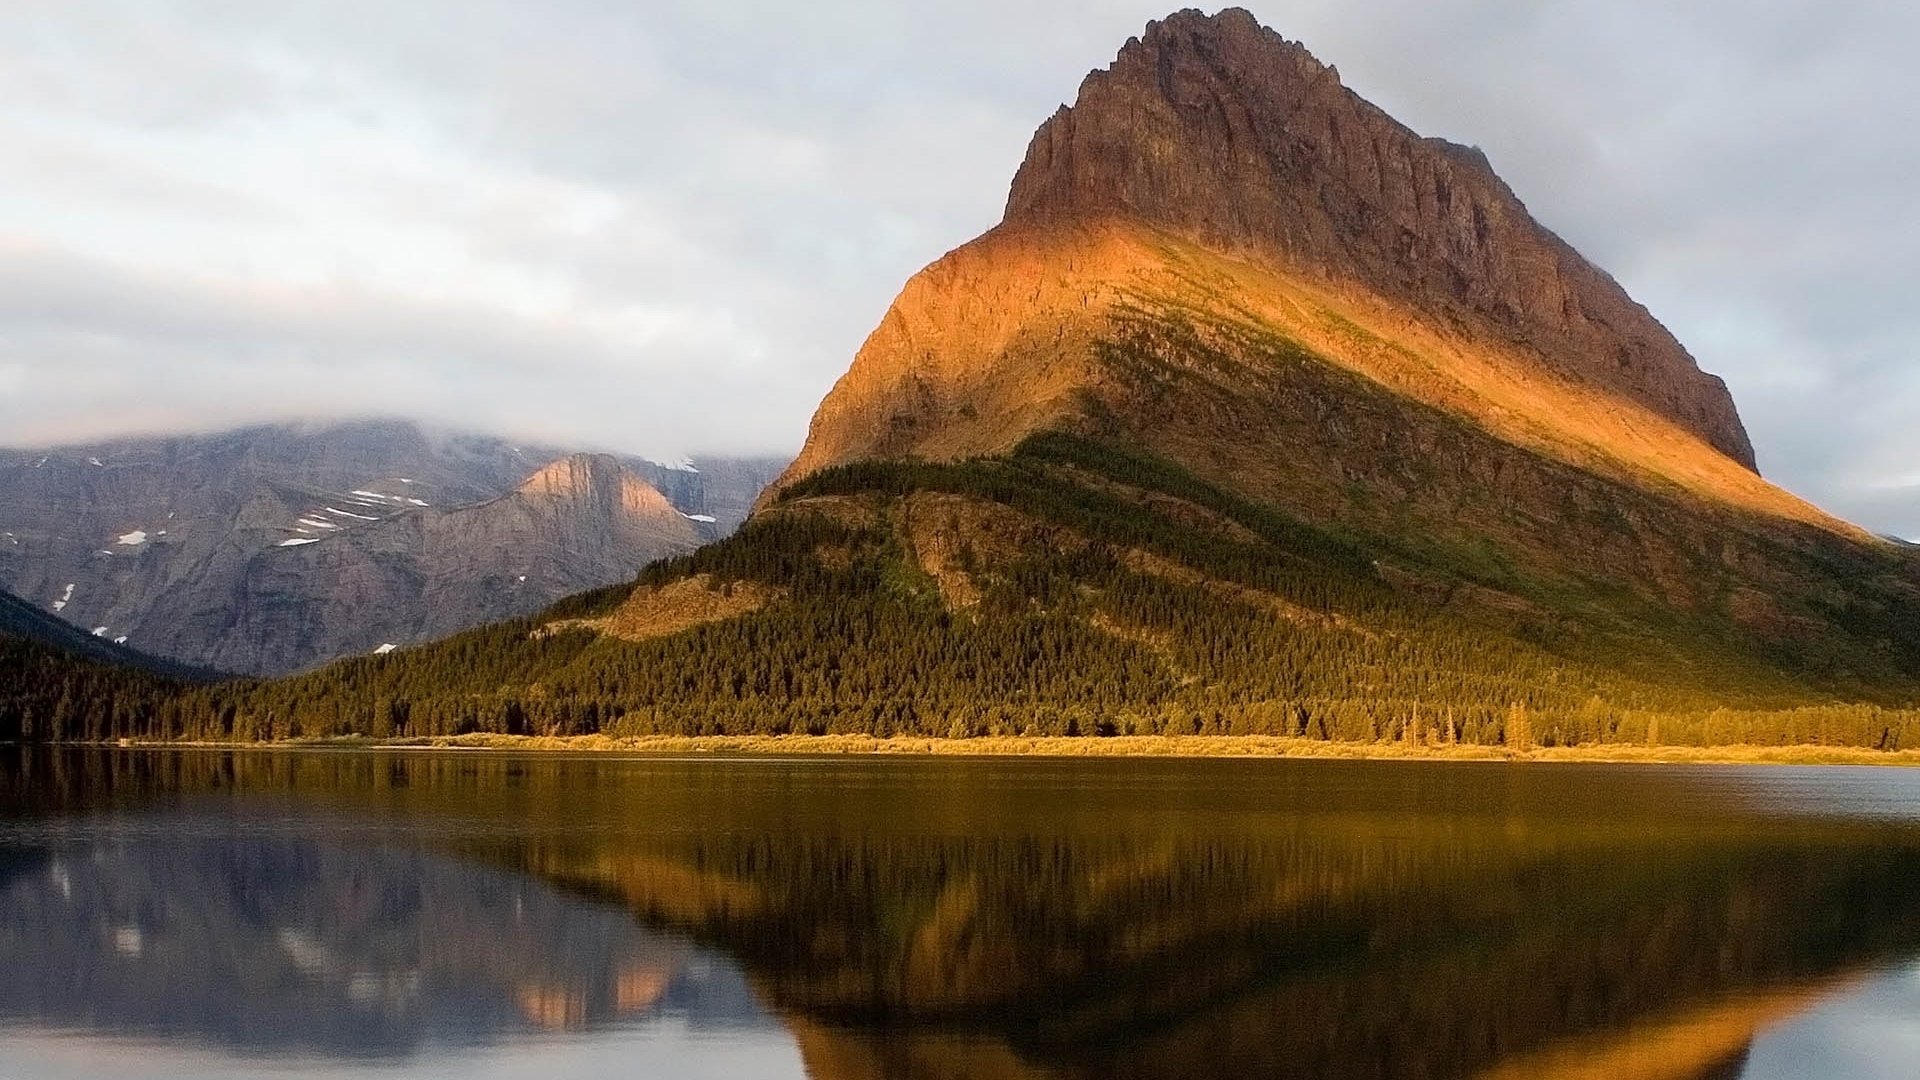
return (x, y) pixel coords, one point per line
(1222, 130)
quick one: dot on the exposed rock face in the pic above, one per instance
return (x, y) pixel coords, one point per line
(595, 488)
(1220, 129)
(981, 348)
(718, 488)
(580, 522)
(275, 548)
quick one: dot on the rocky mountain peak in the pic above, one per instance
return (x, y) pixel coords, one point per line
(602, 480)
(1223, 131)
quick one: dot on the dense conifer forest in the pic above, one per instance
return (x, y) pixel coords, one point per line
(1145, 623)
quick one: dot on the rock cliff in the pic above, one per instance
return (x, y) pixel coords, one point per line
(1222, 130)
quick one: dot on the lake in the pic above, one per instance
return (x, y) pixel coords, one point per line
(409, 914)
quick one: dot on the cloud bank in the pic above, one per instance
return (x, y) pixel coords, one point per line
(659, 227)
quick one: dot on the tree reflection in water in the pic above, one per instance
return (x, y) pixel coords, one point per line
(963, 919)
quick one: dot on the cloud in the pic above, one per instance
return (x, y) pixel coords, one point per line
(146, 351)
(662, 227)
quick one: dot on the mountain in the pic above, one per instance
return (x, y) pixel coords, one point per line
(275, 548)
(1221, 259)
(23, 622)
(718, 493)
(578, 523)
(1257, 413)
(1222, 132)
(60, 682)
(1211, 149)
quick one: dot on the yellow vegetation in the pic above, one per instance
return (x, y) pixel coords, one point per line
(658, 610)
(1194, 746)
(1680, 1048)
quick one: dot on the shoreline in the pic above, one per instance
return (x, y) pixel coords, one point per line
(1119, 746)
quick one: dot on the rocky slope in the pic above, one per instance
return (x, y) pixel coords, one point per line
(1221, 130)
(272, 549)
(578, 523)
(716, 493)
(1216, 133)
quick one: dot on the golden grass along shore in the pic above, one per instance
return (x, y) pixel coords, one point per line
(1188, 746)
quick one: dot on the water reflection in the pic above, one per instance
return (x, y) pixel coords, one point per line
(954, 919)
(1871, 1032)
(288, 946)
(283, 945)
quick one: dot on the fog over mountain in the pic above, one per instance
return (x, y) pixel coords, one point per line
(663, 228)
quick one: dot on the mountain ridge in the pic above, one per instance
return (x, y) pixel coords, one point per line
(1217, 127)
(22, 620)
(273, 548)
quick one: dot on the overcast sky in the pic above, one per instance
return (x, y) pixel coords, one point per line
(666, 227)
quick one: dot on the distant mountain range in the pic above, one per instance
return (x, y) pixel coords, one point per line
(276, 548)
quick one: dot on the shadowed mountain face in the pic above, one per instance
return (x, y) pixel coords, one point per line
(57, 680)
(26, 623)
(975, 920)
(579, 523)
(276, 548)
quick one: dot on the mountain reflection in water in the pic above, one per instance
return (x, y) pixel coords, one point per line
(975, 919)
(278, 945)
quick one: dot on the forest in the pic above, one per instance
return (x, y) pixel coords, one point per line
(1264, 625)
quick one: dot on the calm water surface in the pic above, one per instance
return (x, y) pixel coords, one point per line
(391, 914)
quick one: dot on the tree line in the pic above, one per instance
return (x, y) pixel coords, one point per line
(1076, 642)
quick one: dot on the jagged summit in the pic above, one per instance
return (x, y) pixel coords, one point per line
(605, 483)
(1222, 130)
